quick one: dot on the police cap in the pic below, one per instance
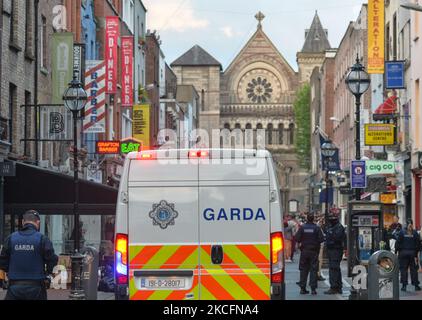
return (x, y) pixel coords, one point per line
(31, 215)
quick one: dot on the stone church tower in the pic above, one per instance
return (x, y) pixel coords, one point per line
(257, 91)
(313, 51)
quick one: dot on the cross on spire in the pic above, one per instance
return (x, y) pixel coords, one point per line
(260, 17)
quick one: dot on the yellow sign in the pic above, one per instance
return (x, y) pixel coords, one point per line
(380, 135)
(388, 198)
(141, 124)
(376, 36)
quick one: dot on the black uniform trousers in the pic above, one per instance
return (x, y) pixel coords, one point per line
(26, 292)
(308, 265)
(334, 260)
(407, 261)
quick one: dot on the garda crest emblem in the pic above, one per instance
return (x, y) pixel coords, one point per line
(163, 214)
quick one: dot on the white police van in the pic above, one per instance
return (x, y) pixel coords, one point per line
(199, 225)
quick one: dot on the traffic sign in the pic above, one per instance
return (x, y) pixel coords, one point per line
(395, 75)
(358, 173)
(7, 169)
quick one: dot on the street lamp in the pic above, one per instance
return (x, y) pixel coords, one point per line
(358, 82)
(75, 98)
(328, 150)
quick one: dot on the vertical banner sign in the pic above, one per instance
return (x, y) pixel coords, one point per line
(141, 124)
(78, 62)
(376, 36)
(62, 64)
(127, 71)
(95, 112)
(111, 53)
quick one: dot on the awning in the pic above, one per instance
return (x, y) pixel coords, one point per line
(388, 107)
(366, 195)
(50, 192)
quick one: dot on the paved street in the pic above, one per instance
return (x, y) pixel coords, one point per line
(64, 295)
(292, 289)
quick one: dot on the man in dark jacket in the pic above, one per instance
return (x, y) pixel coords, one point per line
(408, 245)
(28, 257)
(335, 247)
(310, 237)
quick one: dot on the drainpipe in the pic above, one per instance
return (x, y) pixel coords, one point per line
(36, 46)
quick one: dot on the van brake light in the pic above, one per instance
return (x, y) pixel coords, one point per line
(277, 247)
(146, 156)
(121, 255)
(196, 154)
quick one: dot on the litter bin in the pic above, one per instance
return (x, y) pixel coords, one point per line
(90, 272)
(383, 276)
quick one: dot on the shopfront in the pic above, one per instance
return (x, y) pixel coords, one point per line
(51, 194)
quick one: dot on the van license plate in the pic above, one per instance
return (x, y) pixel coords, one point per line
(162, 283)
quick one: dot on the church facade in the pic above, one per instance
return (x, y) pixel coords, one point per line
(257, 92)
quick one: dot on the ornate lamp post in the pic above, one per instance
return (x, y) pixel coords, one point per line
(75, 98)
(358, 82)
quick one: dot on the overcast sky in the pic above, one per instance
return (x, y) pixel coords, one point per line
(222, 27)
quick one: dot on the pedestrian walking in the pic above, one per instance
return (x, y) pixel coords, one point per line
(309, 237)
(288, 238)
(392, 233)
(321, 224)
(28, 258)
(409, 245)
(295, 226)
(335, 237)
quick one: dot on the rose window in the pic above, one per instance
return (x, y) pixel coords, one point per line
(259, 90)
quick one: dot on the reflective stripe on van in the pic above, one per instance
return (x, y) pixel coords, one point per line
(243, 275)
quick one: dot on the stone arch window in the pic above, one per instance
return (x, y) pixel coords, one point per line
(281, 134)
(249, 136)
(259, 138)
(292, 133)
(270, 129)
(227, 126)
(238, 136)
(203, 100)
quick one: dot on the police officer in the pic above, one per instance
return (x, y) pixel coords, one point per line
(310, 237)
(28, 257)
(408, 245)
(335, 236)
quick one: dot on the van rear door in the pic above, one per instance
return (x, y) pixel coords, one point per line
(234, 232)
(163, 231)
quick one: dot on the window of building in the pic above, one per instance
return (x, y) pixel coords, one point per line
(270, 130)
(280, 134)
(43, 39)
(395, 37)
(128, 14)
(292, 133)
(13, 21)
(28, 27)
(387, 42)
(12, 112)
(26, 119)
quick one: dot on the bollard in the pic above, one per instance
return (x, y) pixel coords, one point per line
(90, 273)
(383, 276)
(77, 292)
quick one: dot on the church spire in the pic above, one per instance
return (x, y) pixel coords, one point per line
(260, 17)
(316, 37)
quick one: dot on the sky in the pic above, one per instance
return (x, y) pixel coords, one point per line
(223, 27)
